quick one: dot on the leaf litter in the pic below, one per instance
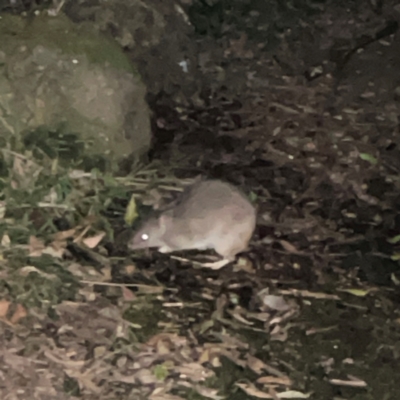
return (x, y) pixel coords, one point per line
(102, 351)
(82, 319)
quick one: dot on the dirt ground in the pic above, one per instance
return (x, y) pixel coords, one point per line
(298, 103)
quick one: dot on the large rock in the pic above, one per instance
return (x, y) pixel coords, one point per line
(60, 75)
(156, 34)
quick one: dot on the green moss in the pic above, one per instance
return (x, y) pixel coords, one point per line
(61, 33)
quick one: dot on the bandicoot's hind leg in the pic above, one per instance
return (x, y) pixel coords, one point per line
(217, 264)
(228, 252)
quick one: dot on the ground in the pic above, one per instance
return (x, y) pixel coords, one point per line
(299, 107)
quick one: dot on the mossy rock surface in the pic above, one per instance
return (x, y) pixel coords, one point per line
(69, 78)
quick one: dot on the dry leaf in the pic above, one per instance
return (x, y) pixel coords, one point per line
(173, 338)
(205, 356)
(274, 380)
(194, 371)
(288, 246)
(57, 248)
(93, 241)
(255, 364)
(127, 294)
(82, 234)
(20, 312)
(208, 392)
(253, 391)
(36, 247)
(146, 377)
(2, 209)
(5, 241)
(4, 306)
(293, 394)
(289, 394)
(357, 292)
(353, 382)
(85, 381)
(163, 347)
(54, 252)
(275, 302)
(165, 396)
(18, 166)
(25, 271)
(63, 235)
(129, 270)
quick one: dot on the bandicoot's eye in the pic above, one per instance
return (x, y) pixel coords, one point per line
(145, 237)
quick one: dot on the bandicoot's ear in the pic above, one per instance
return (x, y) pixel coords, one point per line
(163, 222)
